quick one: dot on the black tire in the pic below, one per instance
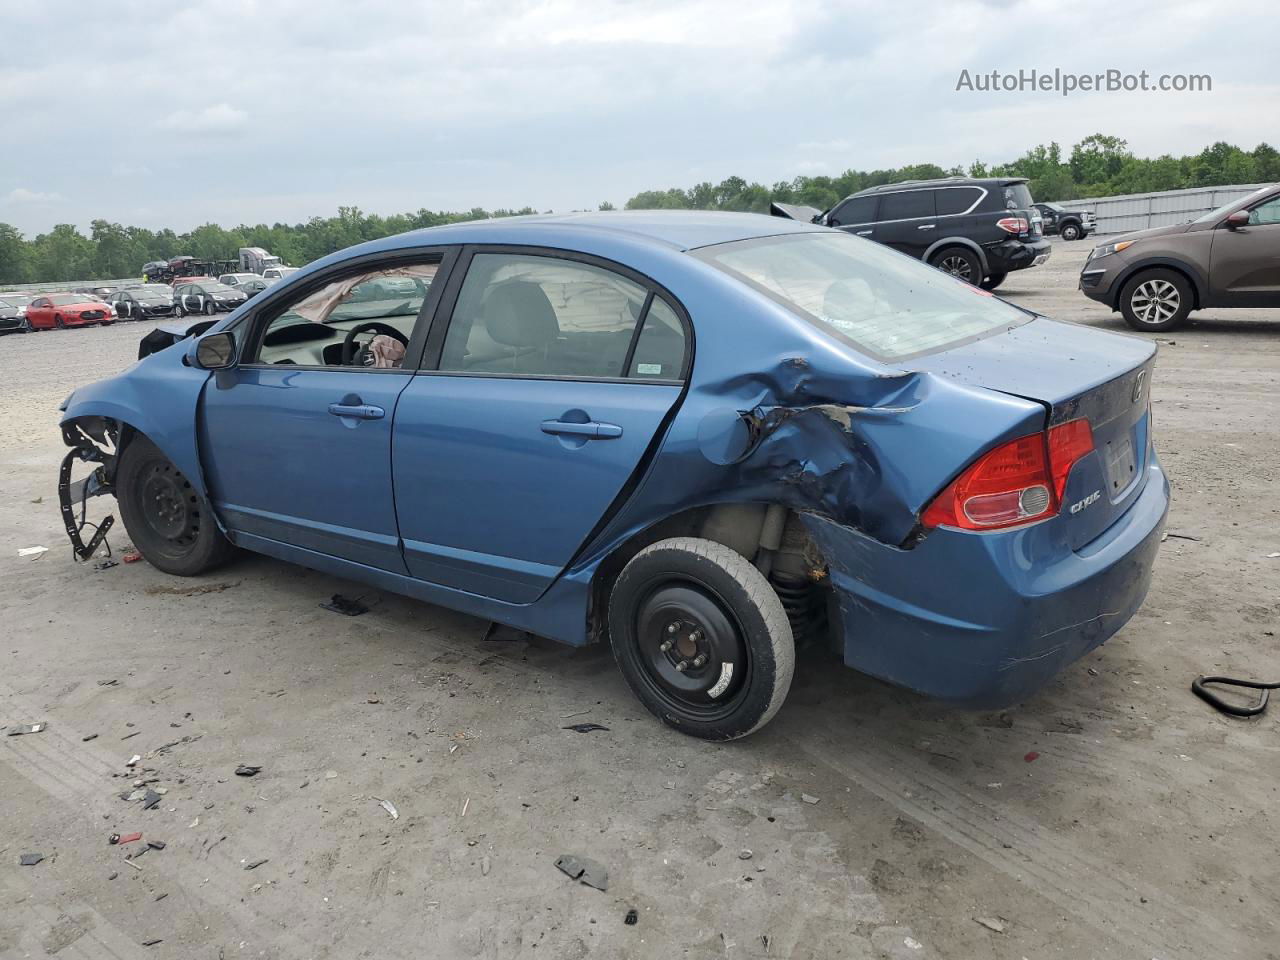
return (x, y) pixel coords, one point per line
(993, 281)
(1155, 300)
(725, 612)
(961, 262)
(58, 324)
(170, 524)
(179, 310)
(1071, 231)
(210, 309)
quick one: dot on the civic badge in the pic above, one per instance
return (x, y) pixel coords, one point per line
(1139, 384)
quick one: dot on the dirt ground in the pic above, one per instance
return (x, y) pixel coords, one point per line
(1146, 827)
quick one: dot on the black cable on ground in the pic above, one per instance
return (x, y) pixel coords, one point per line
(1199, 688)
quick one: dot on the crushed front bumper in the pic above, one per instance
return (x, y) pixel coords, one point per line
(985, 620)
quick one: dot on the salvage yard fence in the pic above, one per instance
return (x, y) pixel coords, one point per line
(1138, 211)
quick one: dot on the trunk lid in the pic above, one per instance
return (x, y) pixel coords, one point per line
(1075, 372)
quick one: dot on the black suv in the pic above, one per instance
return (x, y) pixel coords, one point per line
(1068, 224)
(977, 230)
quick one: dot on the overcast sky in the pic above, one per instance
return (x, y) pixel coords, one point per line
(243, 111)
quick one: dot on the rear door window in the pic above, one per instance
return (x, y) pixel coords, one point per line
(908, 205)
(545, 316)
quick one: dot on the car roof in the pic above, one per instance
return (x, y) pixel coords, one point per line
(943, 182)
(673, 229)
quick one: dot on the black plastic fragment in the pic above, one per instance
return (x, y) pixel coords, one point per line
(345, 606)
(584, 727)
(247, 770)
(584, 870)
(151, 800)
(30, 859)
(632, 918)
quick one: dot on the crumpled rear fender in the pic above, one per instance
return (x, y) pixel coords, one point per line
(158, 396)
(867, 450)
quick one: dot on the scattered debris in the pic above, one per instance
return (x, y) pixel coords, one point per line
(576, 713)
(131, 557)
(160, 896)
(248, 770)
(1272, 556)
(88, 736)
(193, 824)
(33, 552)
(152, 943)
(583, 870)
(164, 590)
(255, 864)
(134, 865)
(345, 606)
(807, 798)
(132, 761)
(1181, 536)
(107, 683)
(106, 564)
(113, 874)
(1200, 689)
(128, 735)
(1031, 757)
(373, 700)
(912, 944)
(331, 774)
(390, 807)
(996, 924)
(156, 844)
(118, 838)
(745, 854)
(30, 859)
(22, 728)
(584, 727)
(632, 918)
(466, 803)
(151, 800)
(485, 864)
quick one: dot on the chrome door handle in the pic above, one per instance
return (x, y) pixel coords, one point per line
(926, 226)
(357, 411)
(864, 233)
(592, 430)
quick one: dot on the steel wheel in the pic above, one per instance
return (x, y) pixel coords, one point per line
(1070, 232)
(170, 506)
(691, 647)
(1155, 301)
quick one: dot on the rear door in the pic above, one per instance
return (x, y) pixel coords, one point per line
(553, 375)
(1244, 268)
(40, 313)
(907, 221)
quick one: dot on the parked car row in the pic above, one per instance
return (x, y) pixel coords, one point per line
(91, 306)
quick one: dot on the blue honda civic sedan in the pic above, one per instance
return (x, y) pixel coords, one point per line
(705, 437)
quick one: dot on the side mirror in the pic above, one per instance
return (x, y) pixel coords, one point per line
(1237, 220)
(216, 351)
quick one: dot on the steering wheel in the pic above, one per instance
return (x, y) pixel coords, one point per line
(349, 342)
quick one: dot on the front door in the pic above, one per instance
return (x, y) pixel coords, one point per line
(296, 439)
(1244, 267)
(553, 379)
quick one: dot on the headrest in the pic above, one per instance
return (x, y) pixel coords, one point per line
(518, 314)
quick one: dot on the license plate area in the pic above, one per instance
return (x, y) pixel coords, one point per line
(1121, 465)
(1040, 258)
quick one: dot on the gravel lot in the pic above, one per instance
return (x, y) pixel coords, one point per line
(1145, 829)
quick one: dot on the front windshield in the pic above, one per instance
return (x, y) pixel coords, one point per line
(220, 289)
(1221, 211)
(64, 299)
(874, 298)
(152, 291)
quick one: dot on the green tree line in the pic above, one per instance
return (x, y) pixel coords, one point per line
(1097, 166)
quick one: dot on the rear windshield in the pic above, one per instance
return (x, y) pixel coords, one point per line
(1016, 196)
(881, 302)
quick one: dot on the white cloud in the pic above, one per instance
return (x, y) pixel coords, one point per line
(216, 118)
(23, 195)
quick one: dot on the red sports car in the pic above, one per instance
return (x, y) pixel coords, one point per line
(60, 310)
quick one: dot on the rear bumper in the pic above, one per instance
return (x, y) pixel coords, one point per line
(985, 620)
(1009, 255)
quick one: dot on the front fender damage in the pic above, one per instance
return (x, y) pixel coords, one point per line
(92, 440)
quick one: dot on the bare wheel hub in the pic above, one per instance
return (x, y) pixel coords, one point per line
(169, 504)
(690, 646)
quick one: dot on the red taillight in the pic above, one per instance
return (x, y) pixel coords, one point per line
(1017, 482)
(1014, 224)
